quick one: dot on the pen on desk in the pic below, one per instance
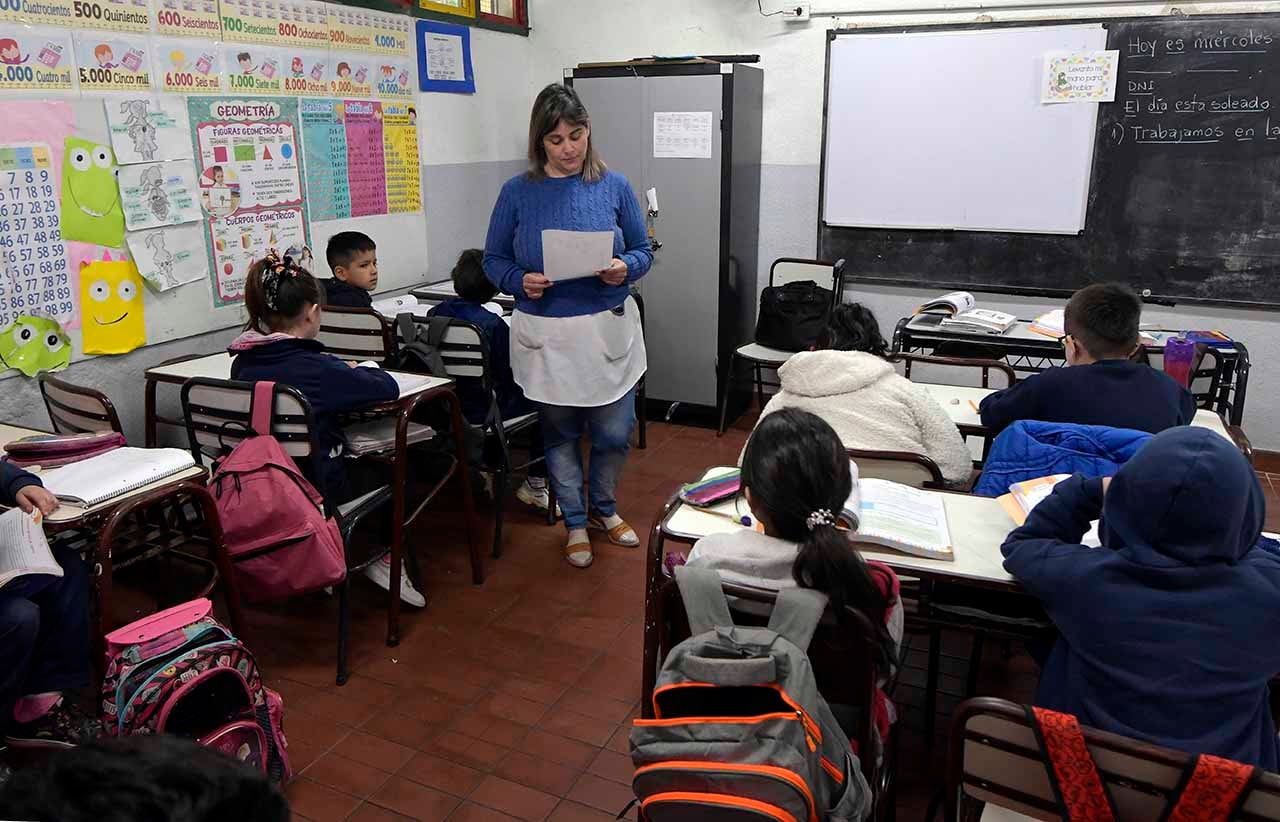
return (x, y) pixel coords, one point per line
(974, 406)
(740, 519)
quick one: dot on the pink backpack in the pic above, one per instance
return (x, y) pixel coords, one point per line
(182, 672)
(273, 520)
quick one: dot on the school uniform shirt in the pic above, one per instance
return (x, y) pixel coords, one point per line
(1168, 631)
(1117, 393)
(329, 384)
(475, 404)
(344, 294)
(871, 407)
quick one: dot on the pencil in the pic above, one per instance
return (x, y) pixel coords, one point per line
(974, 406)
(740, 519)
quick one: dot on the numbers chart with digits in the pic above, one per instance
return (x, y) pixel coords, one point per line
(35, 277)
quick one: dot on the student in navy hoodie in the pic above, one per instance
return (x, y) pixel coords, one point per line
(1101, 386)
(353, 258)
(1168, 631)
(474, 290)
(279, 345)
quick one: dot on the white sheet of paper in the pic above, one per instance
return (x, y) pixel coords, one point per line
(156, 194)
(147, 129)
(23, 548)
(571, 255)
(682, 134)
(444, 57)
(169, 256)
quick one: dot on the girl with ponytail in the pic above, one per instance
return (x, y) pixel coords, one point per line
(796, 478)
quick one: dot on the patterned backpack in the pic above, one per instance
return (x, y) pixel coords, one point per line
(182, 672)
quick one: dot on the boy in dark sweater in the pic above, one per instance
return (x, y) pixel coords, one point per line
(353, 256)
(1102, 386)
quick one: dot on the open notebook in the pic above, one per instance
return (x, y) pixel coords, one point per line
(906, 519)
(107, 476)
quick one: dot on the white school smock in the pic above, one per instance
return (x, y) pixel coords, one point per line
(584, 362)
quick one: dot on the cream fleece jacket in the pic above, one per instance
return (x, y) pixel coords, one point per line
(871, 406)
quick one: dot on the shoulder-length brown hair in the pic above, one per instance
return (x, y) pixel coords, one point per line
(558, 102)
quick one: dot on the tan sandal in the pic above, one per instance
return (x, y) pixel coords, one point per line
(621, 534)
(578, 554)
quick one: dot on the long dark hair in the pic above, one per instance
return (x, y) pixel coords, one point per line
(277, 292)
(794, 466)
(558, 102)
(852, 327)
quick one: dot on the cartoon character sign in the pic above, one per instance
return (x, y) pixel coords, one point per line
(10, 53)
(91, 209)
(112, 316)
(34, 344)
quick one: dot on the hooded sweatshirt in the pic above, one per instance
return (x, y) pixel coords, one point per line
(329, 384)
(872, 407)
(1168, 631)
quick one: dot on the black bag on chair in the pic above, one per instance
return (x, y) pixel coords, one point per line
(792, 315)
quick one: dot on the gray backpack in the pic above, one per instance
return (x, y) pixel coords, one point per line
(740, 731)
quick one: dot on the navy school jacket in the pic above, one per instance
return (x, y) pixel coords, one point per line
(13, 480)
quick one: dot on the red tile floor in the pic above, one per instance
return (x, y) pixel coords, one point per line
(511, 700)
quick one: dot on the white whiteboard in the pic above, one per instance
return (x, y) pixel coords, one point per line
(946, 130)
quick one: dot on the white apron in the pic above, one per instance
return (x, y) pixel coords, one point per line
(585, 361)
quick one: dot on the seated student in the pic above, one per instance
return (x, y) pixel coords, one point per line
(1101, 386)
(796, 479)
(848, 383)
(1167, 632)
(44, 638)
(474, 290)
(279, 345)
(142, 779)
(353, 257)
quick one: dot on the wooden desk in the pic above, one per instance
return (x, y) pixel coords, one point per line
(443, 290)
(175, 372)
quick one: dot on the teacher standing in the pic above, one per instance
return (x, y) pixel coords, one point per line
(576, 345)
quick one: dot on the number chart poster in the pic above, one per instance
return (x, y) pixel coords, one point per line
(361, 158)
(40, 59)
(250, 184)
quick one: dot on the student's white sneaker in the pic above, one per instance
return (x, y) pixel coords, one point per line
(379, 573)
(537, 497)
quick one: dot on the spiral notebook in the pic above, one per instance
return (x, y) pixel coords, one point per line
(107, 476)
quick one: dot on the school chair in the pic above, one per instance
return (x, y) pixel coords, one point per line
(217, 413)
(996, 771)
(760, 357)
(642, 397)
(75, 409)
(357, 334)
(464, 349)
(903, 467)
(841, 654)
(981, 370)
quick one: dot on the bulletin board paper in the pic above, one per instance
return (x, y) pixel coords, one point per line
(112, 15)
(352, 74)
(147, 129)
(187, 66)
(170, 256)
(324, 140)
(254, 69)
(37, 278)
(113, 62)
(37, 59)
(400, 158)
(188, 18)
(156, 194)
(350, 28)
(444, 58)
(90, 207)
(1080, 77)
(365, 167)
(242, 239)
(393, 79)
(682, 134)
(44, 13)
(361, 158)
(306, 72)
(250, 21)
(114, 311)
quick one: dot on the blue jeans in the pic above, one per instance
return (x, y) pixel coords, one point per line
(610, 427)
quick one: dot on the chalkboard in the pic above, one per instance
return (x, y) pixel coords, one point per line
(1184, 199)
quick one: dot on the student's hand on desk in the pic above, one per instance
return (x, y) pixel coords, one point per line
(34, 496)
(534, 284)
(615, 274)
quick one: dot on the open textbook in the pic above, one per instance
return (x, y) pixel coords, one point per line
(23, 547)
(1023, 496)
(906, 519)
(949, 305)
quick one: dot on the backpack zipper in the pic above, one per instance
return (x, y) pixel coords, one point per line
(770, 771)
(145, 667)
(122, 707)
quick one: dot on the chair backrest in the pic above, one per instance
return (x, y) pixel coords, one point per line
(1205, 370)
(842, 653)
(74, 409)
(796, 270)
(356, 334)
(217, 414)
(957, 370)
(464, 349)
(903, 467)
(993, 757)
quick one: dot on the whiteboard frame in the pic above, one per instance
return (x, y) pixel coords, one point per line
(899, 31)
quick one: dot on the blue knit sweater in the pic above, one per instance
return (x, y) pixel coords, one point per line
(526, 206)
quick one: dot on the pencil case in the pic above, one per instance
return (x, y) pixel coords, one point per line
(705, 493)
(52, 450)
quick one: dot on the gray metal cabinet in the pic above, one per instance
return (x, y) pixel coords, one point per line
(700, 295)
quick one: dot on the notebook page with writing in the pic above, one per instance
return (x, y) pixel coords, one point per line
(906, 519)
(106, 476)
(23, 547)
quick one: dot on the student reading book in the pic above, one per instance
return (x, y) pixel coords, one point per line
(1167, 632)
(796, 479)
(1100, 386)
(44, 636)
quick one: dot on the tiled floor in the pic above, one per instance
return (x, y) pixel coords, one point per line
(511, 700)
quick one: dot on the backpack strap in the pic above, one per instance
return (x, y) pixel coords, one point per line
(1082, 795)
(407, 327)
(796, 615)
(262, 407)
(1211, 789)
(704, 601)
(436, 328)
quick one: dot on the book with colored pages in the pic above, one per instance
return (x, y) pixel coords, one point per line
(899, 517)
(97, 479)
(949, 305)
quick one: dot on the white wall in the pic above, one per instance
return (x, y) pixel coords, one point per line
(568, 32)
